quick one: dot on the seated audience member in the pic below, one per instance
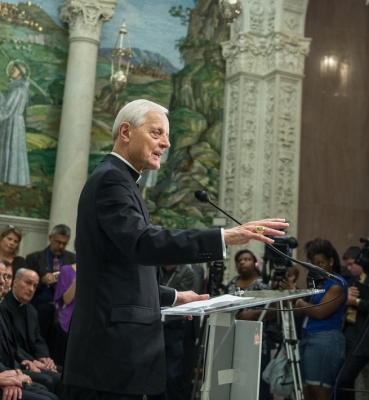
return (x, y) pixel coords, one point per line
(322, 347)
(47, 264)
(16, 385)
(293, 274)
(64, 301)
(356, 315)
(10, 238)
(8, 278)
(24, 321)
(11, 358)
(181, 278)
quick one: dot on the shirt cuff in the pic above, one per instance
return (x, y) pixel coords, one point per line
(175, 299)
(223, 244)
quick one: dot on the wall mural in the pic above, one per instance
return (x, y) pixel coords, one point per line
(178, 65)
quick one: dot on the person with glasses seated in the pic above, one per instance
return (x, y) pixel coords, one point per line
(47, 263)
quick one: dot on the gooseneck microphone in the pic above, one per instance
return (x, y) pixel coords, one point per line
(314, 271)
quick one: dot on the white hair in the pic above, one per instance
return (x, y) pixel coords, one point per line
(135, 114)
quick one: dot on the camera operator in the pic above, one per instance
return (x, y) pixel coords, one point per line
(356, 315)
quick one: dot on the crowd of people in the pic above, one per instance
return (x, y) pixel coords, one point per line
(37, 296)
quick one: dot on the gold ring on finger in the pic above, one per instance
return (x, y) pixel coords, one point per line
(259, 229)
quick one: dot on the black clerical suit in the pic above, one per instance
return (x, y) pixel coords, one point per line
(9, 359)
(115, 342)
(31, 346)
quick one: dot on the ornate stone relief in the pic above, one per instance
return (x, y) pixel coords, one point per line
(257, 16)
(247, 148)
(261, 55)
(287, 148)
(268, 149)
(85, 17)
(231, 147)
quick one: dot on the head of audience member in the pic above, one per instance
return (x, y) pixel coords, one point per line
(3, 277)
(349, 259)
(141, 134)
(59, 239)
(247, 264)
(8, 278)
(25, 284)
(321, 253)
(10, 237)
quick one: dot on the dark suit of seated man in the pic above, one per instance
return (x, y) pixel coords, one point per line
(23, 319)
(11, 360)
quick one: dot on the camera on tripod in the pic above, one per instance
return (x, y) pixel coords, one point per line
(275, 265)
(362, 258)
(216, 273)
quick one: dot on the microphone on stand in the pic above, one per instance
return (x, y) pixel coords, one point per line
(314, 271)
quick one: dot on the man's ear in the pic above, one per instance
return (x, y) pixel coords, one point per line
(124, 131)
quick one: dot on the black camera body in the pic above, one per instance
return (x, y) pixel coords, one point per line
(275, 265)
(216, 273)
(362, 258)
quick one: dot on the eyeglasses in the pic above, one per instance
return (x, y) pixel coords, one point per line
(16, 230)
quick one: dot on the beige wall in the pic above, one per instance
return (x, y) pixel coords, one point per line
(334, 164)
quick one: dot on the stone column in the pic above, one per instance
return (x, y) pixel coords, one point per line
(261, 142)
(85, 19)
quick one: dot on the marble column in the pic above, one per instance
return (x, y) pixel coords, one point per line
(261, 140)
(85, 19)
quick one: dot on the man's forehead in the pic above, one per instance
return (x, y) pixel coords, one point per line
(2, 268)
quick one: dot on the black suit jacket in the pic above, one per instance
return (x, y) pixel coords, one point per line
(31, 344)
(115, 341)
(37, 261)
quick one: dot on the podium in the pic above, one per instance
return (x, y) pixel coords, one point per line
(233, 347)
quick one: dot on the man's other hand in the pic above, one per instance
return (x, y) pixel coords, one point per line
(188, 297)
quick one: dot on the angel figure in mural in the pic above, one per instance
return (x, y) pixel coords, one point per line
(150, 177)
(14, 168)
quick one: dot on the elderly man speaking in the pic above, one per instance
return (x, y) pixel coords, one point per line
(115, 348)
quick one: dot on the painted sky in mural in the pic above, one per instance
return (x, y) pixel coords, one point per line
(148, 23)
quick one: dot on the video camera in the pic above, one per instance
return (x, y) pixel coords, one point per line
(275, 265)
(216, 272)
(362, 258)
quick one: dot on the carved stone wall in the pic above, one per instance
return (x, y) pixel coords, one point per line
(264, 68)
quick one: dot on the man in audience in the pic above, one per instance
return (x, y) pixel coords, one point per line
(357, 313)
(23, 317)
(181, 278)
(47, 264)
(8, 278)
(11, 361)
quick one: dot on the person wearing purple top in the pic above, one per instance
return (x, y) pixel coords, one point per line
(64, 303)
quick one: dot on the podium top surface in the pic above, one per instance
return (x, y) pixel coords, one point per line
(230, 302)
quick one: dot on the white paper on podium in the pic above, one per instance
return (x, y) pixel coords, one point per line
(225, 300)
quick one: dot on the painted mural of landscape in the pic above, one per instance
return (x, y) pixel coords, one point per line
(188, 79)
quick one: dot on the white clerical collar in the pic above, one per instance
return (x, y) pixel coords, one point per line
(16, 298)
(128, 163)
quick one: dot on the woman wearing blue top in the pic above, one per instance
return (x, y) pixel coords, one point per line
(322, 347)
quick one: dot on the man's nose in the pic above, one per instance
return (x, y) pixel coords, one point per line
(165, 142)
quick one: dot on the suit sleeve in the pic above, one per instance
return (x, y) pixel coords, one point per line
(121, 218)
(167, 296)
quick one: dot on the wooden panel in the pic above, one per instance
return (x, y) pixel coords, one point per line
(334, 165)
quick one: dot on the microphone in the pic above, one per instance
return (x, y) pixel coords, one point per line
(314, 271)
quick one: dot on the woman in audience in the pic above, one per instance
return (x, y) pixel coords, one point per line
(10, 237)
(322, 347)
(248, 273)
(65, 292)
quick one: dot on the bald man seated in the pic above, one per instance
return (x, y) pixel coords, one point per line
(24, 321)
